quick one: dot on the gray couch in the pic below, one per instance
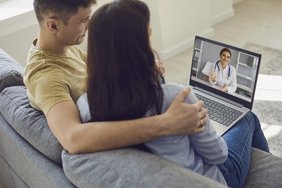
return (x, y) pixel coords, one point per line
(30, 156)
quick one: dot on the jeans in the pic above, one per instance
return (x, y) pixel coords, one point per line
(240, 139)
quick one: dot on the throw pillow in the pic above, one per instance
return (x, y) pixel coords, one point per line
(28, 122)
(10, 71)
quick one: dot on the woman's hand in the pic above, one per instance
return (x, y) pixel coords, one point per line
(224, 88)
(213, 76)
(160, 67)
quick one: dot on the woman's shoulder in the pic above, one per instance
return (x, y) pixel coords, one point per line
(172, 88)
(170, 91)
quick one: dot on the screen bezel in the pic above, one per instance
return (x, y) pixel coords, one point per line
(194, 83)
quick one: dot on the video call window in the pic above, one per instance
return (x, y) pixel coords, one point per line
(226, 68)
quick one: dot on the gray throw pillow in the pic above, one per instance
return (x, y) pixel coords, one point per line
(10, 71)
(28, 122)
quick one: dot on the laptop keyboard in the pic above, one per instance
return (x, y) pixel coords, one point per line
(219, 112)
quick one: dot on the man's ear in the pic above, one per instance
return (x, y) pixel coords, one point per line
(52, 24)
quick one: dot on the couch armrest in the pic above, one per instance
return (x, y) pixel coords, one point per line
(129, 168)
(265, 170)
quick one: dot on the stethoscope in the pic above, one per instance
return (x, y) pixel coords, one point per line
(217, 66)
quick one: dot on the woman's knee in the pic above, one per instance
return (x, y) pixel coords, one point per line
(253, 119)
(251, 115)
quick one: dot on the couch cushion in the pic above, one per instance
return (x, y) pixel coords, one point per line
(22, 166)
(29, 122)
(265, 170)
(10, 71)
(130, 168)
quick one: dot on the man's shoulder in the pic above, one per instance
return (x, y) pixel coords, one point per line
(34, 53)
(41, 66)
(38, 57)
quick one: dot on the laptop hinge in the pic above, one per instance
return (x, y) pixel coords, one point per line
(219, 97)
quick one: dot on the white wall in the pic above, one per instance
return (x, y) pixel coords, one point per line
(220, 10)
(237, 1)
(174, 24)
(17, 32)
(18, 43)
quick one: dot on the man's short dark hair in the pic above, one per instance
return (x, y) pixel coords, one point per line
(61, 9)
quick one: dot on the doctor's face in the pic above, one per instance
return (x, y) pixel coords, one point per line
(225, 57)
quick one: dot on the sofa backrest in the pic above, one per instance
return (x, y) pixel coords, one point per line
(15, 107)
(10, 71)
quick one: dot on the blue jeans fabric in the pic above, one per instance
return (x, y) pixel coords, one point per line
(240, 139)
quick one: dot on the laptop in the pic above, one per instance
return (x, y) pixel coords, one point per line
(240, 77)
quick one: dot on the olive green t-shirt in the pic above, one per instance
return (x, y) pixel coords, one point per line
(52, 77)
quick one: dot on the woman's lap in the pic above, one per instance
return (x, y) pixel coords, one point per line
(240, 139)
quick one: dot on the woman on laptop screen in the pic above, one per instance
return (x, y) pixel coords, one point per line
(221, 73)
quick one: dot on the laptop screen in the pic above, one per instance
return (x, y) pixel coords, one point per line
(225, 70)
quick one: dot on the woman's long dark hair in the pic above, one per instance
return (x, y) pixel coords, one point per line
(122, 77)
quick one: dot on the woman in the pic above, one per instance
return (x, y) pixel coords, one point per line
(123, 84)
(223, 74)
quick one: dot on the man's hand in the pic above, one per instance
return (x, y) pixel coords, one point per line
(183, 118)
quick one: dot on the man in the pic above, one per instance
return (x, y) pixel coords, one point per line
(55, 77)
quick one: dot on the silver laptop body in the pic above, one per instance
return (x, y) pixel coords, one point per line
(225, 109)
